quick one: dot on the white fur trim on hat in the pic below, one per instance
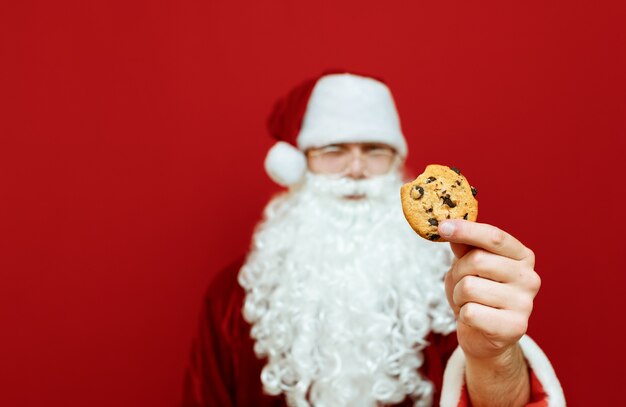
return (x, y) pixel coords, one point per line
(285, 164)
(345, 108)
(454, 375)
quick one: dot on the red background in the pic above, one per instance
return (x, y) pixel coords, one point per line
(130, 131)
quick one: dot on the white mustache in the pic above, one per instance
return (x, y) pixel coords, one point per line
(374, 188)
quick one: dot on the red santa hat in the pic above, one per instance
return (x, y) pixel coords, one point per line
(332, 108)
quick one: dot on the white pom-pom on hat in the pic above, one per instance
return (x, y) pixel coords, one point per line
(285, 164)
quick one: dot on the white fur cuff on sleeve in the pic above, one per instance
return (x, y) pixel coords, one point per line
(454, 379)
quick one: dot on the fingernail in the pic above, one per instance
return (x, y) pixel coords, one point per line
(446, 229)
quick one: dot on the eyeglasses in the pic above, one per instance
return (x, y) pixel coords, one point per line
(336, 159)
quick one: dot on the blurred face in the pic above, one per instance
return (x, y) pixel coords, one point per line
(353, 160)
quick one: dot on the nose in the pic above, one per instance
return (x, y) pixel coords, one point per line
(356, 169)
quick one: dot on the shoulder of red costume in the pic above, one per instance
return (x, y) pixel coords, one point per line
(224, 294)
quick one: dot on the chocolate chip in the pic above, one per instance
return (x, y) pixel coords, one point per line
(458, 182)
(456, 170)
(430, 179)
(465, 216)
(434, 236)
(417, 192)
(448, 217)
(448, 201)
(474, 191)
(433, 222)
(429, 210)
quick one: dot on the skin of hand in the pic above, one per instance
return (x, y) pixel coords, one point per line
(491, 287)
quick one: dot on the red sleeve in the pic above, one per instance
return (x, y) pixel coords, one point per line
(436, 356)
(538, 396)
(207, 380)
(223, 369)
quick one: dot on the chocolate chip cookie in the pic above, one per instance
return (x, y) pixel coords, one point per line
(437, 194)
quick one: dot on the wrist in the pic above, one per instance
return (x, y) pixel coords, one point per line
(509, 358)
(500, 380)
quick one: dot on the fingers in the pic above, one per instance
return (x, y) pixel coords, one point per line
(478, 262)
(491, 285)
(459, 249)
(484, 236)
(491, 280)
(478, 290)
(494, 323)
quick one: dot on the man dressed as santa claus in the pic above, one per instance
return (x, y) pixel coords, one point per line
(339, 302)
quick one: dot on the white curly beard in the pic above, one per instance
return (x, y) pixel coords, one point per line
(341, 294)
